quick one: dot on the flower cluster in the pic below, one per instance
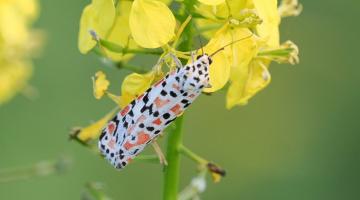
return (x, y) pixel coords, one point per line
(150, 24)
(17, 42)
(242, 37)
(121, 30)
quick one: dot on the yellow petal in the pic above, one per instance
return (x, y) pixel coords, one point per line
(212, 2)
(93, 130)
(216, 177)
(152, 23)
(100, 84)
(234, 56)
(116, 99)
(120, 33)
(219, 70)
(29, 8)
(13, 78)
(257, 78)
(269, 29)
(98, 16)
(134, 85)
(13, 27)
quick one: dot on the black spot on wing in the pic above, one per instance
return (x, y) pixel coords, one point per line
(163, 93)
(103, 133)
(173, 94)
(150, 128)
(156, 114)
(166, 115)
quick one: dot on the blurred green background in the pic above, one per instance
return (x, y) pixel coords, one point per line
(297, 139)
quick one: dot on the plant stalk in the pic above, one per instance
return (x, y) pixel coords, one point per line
(172, 175)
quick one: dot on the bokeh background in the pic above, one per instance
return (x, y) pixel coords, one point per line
(298, 139)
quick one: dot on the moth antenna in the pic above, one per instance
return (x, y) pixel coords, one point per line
(222, 48)
(199, 38)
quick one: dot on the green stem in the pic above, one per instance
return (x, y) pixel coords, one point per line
(193, 156)
(172, 171)
(119, 49)
(171, 176)
(132, 68)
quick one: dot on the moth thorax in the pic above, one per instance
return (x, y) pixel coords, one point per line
(205, 59)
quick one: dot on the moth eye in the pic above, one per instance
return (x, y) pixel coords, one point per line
(198, 57)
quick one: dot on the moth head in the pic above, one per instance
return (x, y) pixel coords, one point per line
(204, 58)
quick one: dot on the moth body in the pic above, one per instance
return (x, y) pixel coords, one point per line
(142, 121)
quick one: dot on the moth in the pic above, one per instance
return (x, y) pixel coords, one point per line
(141, 122)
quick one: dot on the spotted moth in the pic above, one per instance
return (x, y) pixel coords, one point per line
(141, 122)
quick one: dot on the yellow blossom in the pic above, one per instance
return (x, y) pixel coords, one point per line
(246, 85)
(233, 59)
(92, 131)
(98, 16)
(100, 84)
(120, 32)
(13, 78)
(17, 43)
(134, 85)
(269, 28)
(152, 23)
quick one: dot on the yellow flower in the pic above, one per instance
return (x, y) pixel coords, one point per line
(13, 78)
(269, 28)
(245, 64)
(100, 84)
(16, 45)
(134, 85)
(92, 131)
(245, 85)
(233, 59)
(98, 16)
(120, 32)
(152, 23)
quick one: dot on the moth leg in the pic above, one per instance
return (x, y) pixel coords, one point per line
(208, 85)
(159, 153)
(176, 60)
(193, 53)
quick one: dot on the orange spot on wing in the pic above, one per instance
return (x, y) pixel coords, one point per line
(111, 127)
(176, 109)
(142, 138)
(176, 87)
(160, 103)
(130, 129)
(141, 119)
(124, 111)
(128, 145)
(192, 95)
(111, 143)
(157, 121)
